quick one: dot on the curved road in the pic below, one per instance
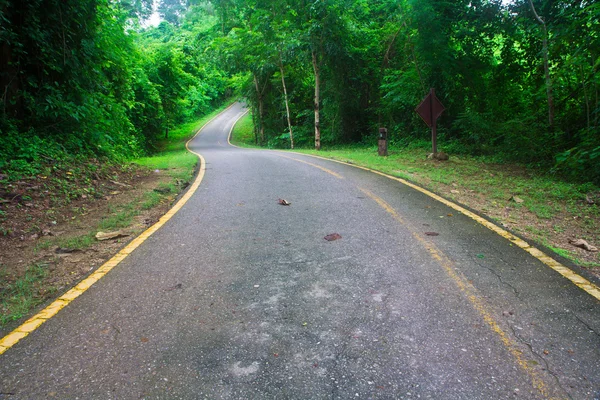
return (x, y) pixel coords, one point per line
(238, 297)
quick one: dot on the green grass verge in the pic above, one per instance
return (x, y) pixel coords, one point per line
(18, 297)
(243, 132)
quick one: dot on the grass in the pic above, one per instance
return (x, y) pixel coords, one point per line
(547, 200)
(243, 132)
(18, 297)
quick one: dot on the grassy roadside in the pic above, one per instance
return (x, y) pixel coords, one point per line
(243, 132)
(37, 272)
(538, 206)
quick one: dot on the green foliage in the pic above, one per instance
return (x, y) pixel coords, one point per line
(77, 82)
(83, 77)
(378, 59)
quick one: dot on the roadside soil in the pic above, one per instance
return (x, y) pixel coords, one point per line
(38, 225)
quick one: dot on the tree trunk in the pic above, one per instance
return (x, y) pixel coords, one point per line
(546, 66)
(287, 104)
(261, 127)
(317, 99)
(587, 100)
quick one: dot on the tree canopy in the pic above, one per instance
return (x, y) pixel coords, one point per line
(519, 80)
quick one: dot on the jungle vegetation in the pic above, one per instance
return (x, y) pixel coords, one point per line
(88, 78)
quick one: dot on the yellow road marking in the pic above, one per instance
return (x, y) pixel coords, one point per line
(470, 292)
(316, 166)
(566, 272)
(34, 322)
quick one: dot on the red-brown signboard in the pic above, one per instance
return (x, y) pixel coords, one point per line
(430, 108)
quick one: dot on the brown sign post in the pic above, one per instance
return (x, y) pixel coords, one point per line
(383, 147)
(430, 110)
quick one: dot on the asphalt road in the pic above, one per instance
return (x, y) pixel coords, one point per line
(239, 297)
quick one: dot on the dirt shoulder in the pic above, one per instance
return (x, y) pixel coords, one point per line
(47, 242)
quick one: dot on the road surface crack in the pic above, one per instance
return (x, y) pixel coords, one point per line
(499, 277)
(540, 357)
(586, 325)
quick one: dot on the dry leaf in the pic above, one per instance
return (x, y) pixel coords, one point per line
(432, 233)
(517, 200)
(332, 237)
(589, 200)
(455, 191)
(583, 244)
(120, 184)
(110, 235)
(284, 202)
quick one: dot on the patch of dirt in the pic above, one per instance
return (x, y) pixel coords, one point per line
(38, 223)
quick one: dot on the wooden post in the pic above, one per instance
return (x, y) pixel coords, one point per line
(382, 148)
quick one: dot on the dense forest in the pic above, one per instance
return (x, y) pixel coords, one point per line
(519, 79)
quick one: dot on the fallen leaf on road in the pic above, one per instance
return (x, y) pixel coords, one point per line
(144, 340)
(284, 202)
(480, 255)
(583, 244)
(333, 236)
(110, 235)
(432, 233)
(450, 215)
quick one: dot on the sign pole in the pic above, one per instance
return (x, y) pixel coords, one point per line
(430, 110)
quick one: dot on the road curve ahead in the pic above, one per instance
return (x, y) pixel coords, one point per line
(239, 297)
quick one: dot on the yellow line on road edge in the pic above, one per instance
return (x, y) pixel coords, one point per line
(316, 166)
(34, 322)
(471, 294)
(577, 279)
